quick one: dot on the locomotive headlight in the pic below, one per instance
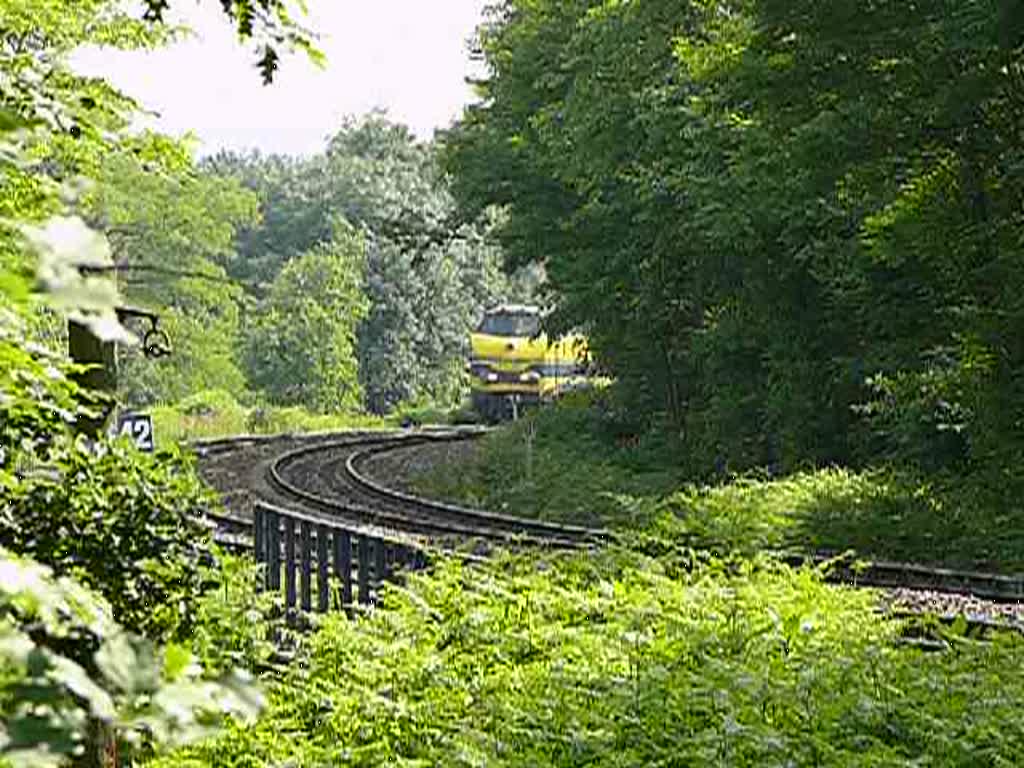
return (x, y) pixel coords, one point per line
(492, 377)
(529, 376)
(480, 370)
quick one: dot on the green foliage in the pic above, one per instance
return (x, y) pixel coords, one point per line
(232, 626)
(293, 212)
(54, 121)
(68, 666)
(267, 25)
(36, 398)
(877, 514)
(274, 420)
(205, 354)
(574, 463)
(586, 464)
(124, 523)
(94, 510)
(215, 413)
(209, 413)
(151, 192)
(794, 228)
(427, 275)
(172, 231)
(610, 659)
(429, 412)
(302, 349)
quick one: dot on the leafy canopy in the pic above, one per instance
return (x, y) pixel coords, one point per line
(791, 230)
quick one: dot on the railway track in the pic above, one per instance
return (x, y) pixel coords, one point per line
(332, 478)
(328, 477)
(325, 477)
(993, 587)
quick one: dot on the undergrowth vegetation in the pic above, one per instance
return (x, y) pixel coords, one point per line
(130, 526)
(881, 513)
(68, 670)
(579, 463)
(128, 626)
(216, 413)
(568, 464)
(619, 659)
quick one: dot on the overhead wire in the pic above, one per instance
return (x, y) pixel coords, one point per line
(88, 269)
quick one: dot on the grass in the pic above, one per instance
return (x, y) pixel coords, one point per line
(576, 468)
(217, 414)
(564, 465)
(619, 660)
(884, 514)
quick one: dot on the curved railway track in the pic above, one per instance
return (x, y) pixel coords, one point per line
(328, 477)
(332, 478)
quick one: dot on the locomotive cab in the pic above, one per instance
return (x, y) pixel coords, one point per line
(513, 364)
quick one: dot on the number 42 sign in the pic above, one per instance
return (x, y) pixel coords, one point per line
(137, 426)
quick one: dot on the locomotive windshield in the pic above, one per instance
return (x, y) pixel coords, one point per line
(510, 324)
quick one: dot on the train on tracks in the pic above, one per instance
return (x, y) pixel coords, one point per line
(513, 364)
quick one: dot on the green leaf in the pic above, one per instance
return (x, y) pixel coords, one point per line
(178, 662)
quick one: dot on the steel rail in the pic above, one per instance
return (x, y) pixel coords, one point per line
(467, 514)
(407, 513)
(994, 587)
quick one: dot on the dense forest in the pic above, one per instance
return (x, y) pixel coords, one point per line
(339, 283)
(360, 246)
(791, 232)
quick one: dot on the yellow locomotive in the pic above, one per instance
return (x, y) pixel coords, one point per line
(512, 364)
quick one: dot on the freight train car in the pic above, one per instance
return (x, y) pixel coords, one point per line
(513, 365)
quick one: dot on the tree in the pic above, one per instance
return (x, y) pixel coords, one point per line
(880, 182)
(773, 219)
(302, 348)
(582, 128)
(267, 25)
(70, 672)
(428, 275)
(172, 230)
(294, 210)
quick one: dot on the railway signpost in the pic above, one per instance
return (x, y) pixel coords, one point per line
(137, 426)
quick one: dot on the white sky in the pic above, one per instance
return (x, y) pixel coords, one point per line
(406, 56)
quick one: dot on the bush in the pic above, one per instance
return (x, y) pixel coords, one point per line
(215, 413)
(422, 412)
(573, 462)
(37, 397)
(592, 465)
(212, 413)
(297, 419)
(750, 514)
(210, 402)
(68, 671)
(232, 624)
(607, 659)
(884, 514)
(125, 523)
